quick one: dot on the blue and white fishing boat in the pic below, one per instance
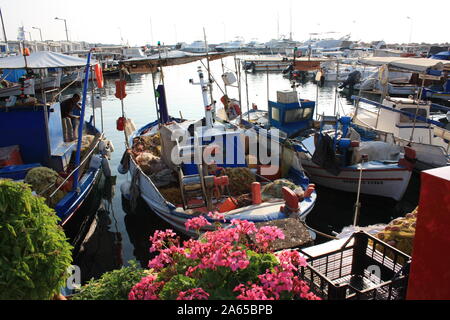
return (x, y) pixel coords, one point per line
(31, 137)
(330, 150)
(348, 158)
(203, 187)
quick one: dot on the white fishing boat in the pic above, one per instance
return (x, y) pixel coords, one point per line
(198, 46)
(345, 158)
(333, 71)
(408, 122)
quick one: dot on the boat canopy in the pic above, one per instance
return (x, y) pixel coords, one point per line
(43, 60)
(172, 58)
(444, 55)
(419, 65)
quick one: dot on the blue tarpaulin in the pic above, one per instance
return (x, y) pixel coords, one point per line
(444, 55)
(13, 75)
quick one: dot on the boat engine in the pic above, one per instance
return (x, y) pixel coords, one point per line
(352, 79)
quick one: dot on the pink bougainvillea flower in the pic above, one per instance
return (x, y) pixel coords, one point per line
(225, 251)
(244, 227)
(291, 260)
(193, 294)
(165, 257)
(160, 238)
(217, 216)
(266, 235)
(196, 223)
(255, 292)
(146, 289)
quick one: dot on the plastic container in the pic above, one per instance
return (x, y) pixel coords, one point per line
(364, 268)
(10, 156)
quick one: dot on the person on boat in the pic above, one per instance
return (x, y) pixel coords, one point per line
(67, 106)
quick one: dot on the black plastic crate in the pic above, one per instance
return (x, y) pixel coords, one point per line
(365, 268)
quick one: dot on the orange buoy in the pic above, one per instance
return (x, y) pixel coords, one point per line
(256, 193)
(99, 75)
(120, 89)
(291, 200)
(310, 190)
(227, 206)
(26, 52)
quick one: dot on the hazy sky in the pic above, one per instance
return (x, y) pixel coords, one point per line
(177, 20)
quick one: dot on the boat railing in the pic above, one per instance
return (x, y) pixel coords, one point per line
(408, 114)
(404, 142)
(88, 156)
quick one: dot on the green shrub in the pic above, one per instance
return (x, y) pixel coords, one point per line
(113, 285)
(34, 252)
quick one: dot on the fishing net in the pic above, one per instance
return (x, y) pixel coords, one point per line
(241, 180)
(273, 190)
(172, 195)
(400, 232)
(44, 182)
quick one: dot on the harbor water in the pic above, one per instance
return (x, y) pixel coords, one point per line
(120, 235)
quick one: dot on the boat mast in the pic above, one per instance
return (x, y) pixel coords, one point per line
(207, 63)
(290, 32)
(81, 125)
(208, 107)
(4, 32)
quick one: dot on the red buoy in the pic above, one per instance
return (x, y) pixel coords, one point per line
(121, 123)
(256, 193)
(120, 89)
(99, 75)
(291, 200)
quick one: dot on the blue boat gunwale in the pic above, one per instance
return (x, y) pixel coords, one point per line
(64, 208)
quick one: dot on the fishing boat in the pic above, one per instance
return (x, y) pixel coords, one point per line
(230, 185)
(436, 93)
(407, 122)
(330, 150)
(275, 63)
(33, 148)
(339, 160)
(403, 76)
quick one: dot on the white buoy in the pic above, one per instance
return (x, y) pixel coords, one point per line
(125, 189)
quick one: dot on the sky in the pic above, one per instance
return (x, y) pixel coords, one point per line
(139, 22)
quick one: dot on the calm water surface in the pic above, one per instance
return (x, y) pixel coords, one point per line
(122, 235)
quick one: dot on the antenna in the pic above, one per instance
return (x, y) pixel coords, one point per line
(151, 31)
(290, 30)
(278, 25)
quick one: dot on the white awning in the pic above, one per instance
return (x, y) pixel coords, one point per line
(408, 64)
(43, 60)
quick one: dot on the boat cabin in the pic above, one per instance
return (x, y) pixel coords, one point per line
(229, 143)
(289, 114)
(36, 134)
(401, 123)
